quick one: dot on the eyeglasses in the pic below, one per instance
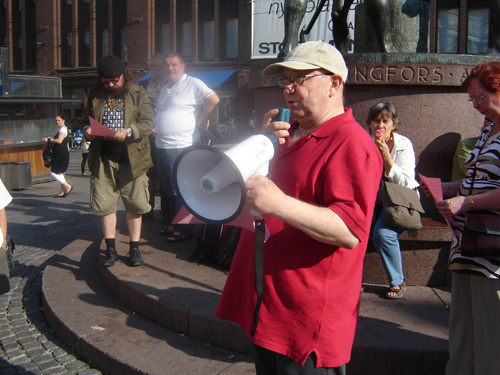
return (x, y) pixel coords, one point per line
(297, 79)
(109, 81)
(478, 100)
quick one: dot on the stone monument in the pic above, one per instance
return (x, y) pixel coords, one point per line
(391, 63)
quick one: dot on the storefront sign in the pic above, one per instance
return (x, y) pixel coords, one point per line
(268, 25)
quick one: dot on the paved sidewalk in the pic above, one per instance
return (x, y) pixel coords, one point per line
(41, 225)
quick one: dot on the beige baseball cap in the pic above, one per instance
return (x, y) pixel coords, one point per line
(312, 55)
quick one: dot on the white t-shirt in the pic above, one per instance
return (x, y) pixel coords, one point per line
(177, 111)
(5, 199)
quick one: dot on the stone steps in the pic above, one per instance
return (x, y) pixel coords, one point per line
(160, 317)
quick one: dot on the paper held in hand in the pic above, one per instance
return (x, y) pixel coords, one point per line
(99, 129)
(434, 185)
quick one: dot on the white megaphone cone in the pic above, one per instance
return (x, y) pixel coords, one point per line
(211, 182)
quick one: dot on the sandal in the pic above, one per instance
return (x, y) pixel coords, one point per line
(398, 290)
(177, 237)
(69, 192)
(167, 231)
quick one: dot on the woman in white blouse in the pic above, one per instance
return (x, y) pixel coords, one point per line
(399, 167)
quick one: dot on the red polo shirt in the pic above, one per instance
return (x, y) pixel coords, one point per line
(311, 289)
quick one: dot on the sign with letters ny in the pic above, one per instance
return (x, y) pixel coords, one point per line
(268, 25)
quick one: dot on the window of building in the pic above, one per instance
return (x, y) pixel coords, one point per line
(228, 37)
(477, 31)
(67, 50)
(162, 29)
(447, 31)
(184, 29)
(165, 38)
(208, 43)
(460, 26)
(86, 47)
(206, 30)
(83, 34)
(102, 29)
(104, 42)
(119, 33)
(186, 40)
(66, 35)
(30, 42)
(123, 44)
(231, 38)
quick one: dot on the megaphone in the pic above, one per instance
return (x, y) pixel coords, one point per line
(211, 182)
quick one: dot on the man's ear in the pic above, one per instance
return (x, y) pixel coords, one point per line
(336, 82)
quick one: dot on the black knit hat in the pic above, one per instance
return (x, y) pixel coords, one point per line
(110, 67)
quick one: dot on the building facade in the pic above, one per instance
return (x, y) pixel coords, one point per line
(66, 38)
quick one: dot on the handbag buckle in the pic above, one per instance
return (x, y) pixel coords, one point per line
(411, 209)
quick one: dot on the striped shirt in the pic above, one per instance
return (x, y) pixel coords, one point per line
(487, 156)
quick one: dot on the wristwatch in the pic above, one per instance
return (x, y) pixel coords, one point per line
(470, 202)
(129, 132)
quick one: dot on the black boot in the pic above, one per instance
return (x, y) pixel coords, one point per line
(109, 258)
(135, 258)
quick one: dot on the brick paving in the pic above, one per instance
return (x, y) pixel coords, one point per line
(41, 225)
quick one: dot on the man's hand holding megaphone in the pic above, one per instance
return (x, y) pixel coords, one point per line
(263, 195)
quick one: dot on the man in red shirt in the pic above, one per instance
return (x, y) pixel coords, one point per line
(318, 206)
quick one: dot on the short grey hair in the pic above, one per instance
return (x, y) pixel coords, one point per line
(387, 107)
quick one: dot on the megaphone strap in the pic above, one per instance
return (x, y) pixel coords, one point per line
(260, 235)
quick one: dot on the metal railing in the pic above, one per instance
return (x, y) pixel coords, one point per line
(22, 86)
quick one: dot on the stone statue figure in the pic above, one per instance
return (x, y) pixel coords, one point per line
(378, 9)
(379, 14)
(340, 9)
(294, 13)
(388, 26)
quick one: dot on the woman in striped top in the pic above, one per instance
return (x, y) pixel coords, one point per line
(475, 294)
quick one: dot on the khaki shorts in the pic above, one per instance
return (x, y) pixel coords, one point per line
(115, 180)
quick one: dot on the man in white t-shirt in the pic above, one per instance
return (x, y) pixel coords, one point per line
(5, 199)
(185, 103)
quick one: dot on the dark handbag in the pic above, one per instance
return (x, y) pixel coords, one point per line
(481, 234)
(48, 155)
(402, 207)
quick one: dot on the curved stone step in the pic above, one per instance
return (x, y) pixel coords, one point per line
(92, 322)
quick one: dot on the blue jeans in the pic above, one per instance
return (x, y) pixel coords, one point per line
(165, 159)
(385, 240)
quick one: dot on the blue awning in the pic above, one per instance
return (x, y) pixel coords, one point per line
(16, 85)
(211, 78)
